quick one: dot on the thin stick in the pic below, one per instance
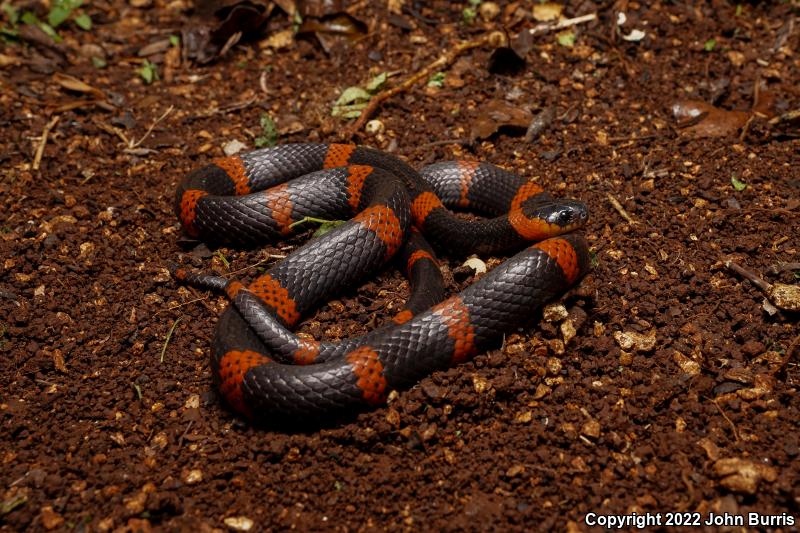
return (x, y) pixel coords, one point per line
(735, 432)
(790, 354)
(749, 275)
(37, 159)
(185, 432)
(111, 130)
(248, 267)
(150, 129)
(183, 304)
(549, 26)
(621, 210)
(440, 62)
(169, 336)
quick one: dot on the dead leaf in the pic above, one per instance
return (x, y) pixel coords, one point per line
(227, 22)
(705, 120)
(497, 114)
(328, 27)
(72, 83)
(547, 11)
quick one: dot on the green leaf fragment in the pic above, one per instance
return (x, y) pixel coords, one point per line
(376, 83)
(325, 227)
(352, 95)
(709, 45)
(84, 21)
(468, 15)
(174, 40)
(12, 13)
(29, 18)
(437, 80)
(566, 38)
(737, 184)
(58, 14)
(148, 72)
(8, 505)
(99, 62)
(348, 111)
(269, 131)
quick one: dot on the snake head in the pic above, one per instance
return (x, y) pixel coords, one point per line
(553, 217)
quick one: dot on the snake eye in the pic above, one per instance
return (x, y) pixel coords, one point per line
(565, 217)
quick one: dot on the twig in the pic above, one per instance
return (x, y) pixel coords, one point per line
(183, 304)
(621, 210)
(131, 146)
(735, 432)
(254, 265)
(111, 130)
(167, 339)
(780, 295)
(749, 275)
(440, 62)
(746, 127)
(549, 26)
(783, 267)
(37, 159)
(633, 138)
(183, 435)
(236, 106)
(788, 116)
(790, 354)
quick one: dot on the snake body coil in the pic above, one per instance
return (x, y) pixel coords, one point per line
(263, 370)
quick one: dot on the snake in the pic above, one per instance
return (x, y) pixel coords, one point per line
(264, 371)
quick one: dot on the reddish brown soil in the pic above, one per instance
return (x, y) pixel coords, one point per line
(100, 432)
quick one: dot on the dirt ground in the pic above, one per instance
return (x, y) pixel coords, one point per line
(677, 393)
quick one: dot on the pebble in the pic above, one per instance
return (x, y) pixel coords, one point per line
(591, 429)
(476, 264)
(374, 127)
(193, 477)
(238, 523)
(193, 402)
(688, 366)
(743, 476)
(233, 147)
(488, 11)
(641, 342)
(554, 312)
(480, 384)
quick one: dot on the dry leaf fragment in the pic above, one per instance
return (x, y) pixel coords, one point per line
(705, 120)
(498, 114)
(641, 342)
(72, 83)
(547, 11)
(687, 365)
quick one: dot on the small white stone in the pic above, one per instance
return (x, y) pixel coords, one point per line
(239, 523)
(233, 147)
(475, 264)
(374, 127)
(193, 402)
